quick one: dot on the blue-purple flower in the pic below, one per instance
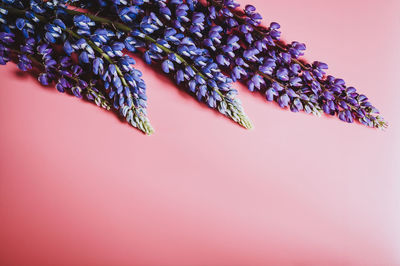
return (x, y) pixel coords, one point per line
(203, 47)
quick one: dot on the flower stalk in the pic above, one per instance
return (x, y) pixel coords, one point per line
(203, 46)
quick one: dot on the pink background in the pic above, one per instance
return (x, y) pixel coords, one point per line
(78, 187)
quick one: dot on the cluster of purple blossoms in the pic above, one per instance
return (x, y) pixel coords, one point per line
(203, 47)
(177, 54)
(255, 55)
(74, 53)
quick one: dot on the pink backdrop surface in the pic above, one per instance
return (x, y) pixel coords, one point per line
(78, 187)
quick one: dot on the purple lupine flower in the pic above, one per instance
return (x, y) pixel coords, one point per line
(194, 44)
(203, 78)
(270, 59)
(32, 20)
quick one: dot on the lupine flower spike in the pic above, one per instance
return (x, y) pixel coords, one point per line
(203, 46)
(102, 73)
(256, 55)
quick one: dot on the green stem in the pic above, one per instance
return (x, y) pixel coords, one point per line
(101, 52)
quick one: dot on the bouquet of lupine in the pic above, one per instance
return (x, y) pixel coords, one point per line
(83, 48)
